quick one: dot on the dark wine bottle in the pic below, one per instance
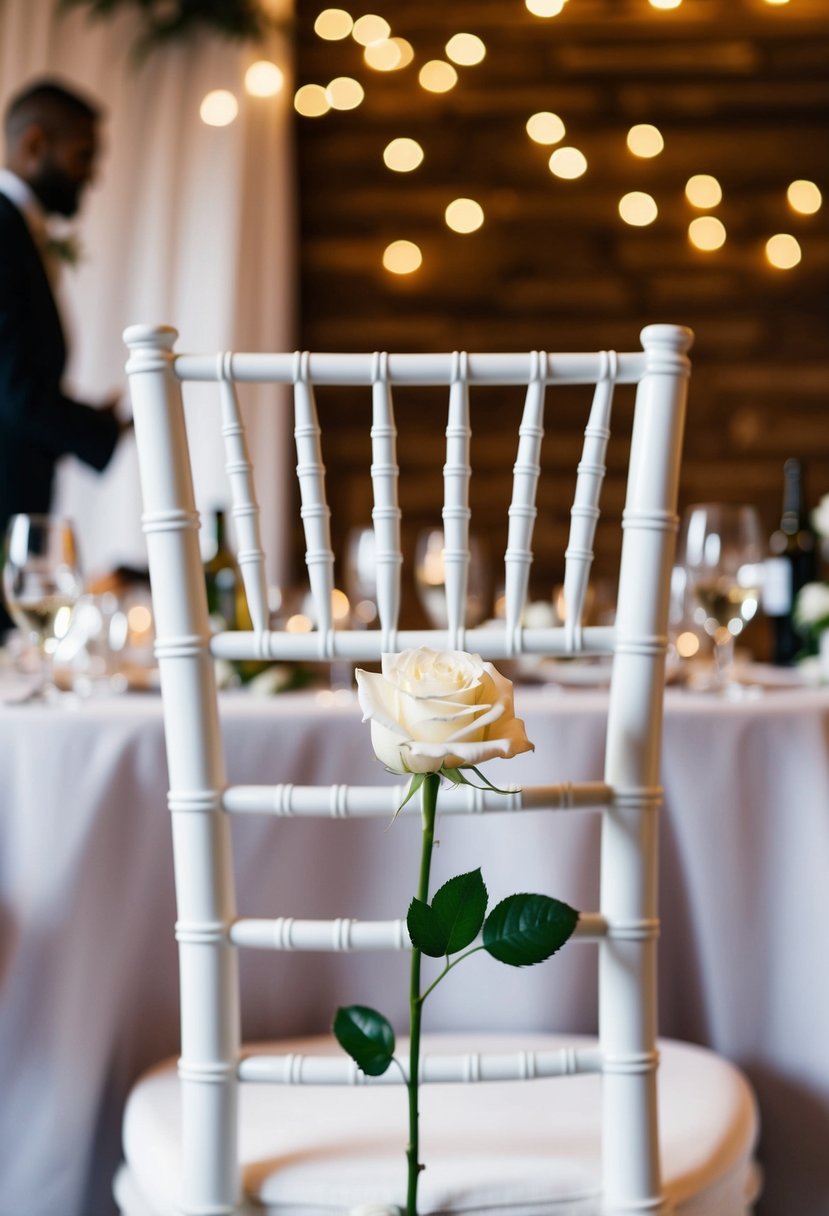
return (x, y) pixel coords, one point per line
(222, 578)
(792, 564)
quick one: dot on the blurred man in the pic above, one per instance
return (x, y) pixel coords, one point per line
(51, 138)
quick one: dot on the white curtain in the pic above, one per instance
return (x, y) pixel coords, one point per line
(188, 225)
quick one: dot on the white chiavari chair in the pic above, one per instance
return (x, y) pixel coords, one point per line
(636, 1128)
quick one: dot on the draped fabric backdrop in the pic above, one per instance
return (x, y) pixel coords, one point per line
(188, 225)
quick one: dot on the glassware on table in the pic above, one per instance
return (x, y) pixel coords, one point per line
(361, 577)
(41, 584)
(722, 551)
(430, 579)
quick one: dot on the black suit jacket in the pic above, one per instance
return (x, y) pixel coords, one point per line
(38, 422)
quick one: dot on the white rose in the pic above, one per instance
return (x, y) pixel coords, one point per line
(812, 604)
(820, 517)
(432, 709)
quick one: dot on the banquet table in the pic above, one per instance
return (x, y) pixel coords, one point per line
(88, 973)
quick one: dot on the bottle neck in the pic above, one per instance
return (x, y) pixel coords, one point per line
(793, 518)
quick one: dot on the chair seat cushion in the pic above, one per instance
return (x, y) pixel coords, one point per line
(511, 1147)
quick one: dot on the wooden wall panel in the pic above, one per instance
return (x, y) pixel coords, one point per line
(738, 88)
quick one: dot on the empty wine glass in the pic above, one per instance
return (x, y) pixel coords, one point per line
(361, 576)
(430, 579)
(722, 551)
(41, 584)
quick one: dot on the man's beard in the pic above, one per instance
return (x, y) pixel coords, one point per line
(58, 194)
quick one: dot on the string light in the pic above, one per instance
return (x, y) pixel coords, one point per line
(406, 51)
(782, 251)
(703, 191)
(437, 76)
(403, 155)
(333, 24)
(264, 79)
(645, 140)
(344, 93)
(545, 127)
(464, 215)
(311, 101)
(638, 209)
(465, 49)
(402, 257)
(568, 163)
(804, 197)
(370, 28)
(545, 8)
(383, 56)
(707, 233)
(219, 107)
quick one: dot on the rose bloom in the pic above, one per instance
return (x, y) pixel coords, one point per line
(820, 517)
(433, 709)
(812, 604)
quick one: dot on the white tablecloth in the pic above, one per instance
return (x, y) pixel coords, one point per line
(88, 978)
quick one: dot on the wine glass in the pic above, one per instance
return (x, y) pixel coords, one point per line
(361, 576)
(722, 552)
(430, 579)
(41, 584)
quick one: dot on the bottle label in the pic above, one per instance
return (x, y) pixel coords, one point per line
(777, 587)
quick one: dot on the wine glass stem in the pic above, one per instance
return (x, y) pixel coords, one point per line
(724, 657)
(47, 670)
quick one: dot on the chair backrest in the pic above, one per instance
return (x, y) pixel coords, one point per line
(208, 929)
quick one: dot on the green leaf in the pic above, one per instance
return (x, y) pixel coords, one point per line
(460, 906)
(425, 930)
(458, 777)
(414, 785)
(453, 918)
(526, 929)
(366, 1036)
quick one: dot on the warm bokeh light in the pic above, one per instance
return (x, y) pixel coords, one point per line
(340, 607)
(406, 51)
(402, 257)
(370, 28)
(218, 108)
(465, 49)
(383, 56)
(545, 8)
(464, 215)
(311, 101)
(687, 645)
(645, 140)
(264, 79)
(437, 76)
(139, 619)
(344, 93)
(777, 2)
(804, 196)
(782, 251)
(664, 3)
(706, 232)
(568, 163)
(545, 127)
(403, 155)
(298, 623)
(333, 24)
(638, 208)
(703, 190)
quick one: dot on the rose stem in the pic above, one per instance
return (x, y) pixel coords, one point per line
(429, 802)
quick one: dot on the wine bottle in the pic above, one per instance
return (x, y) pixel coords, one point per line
(792, 564)
(226, 603)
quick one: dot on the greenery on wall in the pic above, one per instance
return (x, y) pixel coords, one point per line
(166, 21)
